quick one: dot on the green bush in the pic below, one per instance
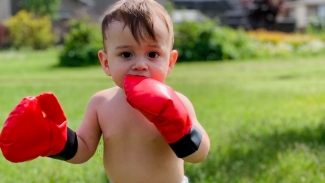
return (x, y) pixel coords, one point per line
(235, 44)
(193, 40)
(27, 30)
(203, 41)
(81, 44)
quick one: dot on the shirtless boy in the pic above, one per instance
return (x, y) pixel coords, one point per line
(148, 129)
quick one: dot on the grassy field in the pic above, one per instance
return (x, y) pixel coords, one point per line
(265, 119)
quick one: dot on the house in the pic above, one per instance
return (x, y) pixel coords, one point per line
(5, 10)
(302, 11)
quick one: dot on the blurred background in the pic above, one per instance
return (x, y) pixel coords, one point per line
(221, 29)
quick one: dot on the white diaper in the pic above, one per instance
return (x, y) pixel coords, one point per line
(185, 180)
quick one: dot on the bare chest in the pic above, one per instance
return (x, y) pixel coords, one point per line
(123, 122)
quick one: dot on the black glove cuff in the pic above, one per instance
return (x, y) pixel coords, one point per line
(188, 144)
(71, 147)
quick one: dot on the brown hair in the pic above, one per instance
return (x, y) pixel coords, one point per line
(137, 15)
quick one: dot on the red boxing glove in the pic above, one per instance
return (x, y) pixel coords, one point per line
(161, 105)
(37, 127)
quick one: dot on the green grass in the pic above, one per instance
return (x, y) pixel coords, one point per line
(265, 119)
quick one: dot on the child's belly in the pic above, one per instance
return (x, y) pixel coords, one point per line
(141, 157)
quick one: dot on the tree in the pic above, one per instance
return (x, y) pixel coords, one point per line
(42, 7)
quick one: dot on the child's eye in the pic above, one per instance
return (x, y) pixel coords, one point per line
(126, 55)
(153, 55)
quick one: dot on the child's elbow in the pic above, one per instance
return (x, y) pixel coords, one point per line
(78, 160)
(199, 155)
(196, 157)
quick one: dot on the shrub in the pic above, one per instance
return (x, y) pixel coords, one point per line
(81, 44)
(286, 44)
(201, 41)
(235, 44)
(193, 40)
(27, 30)
(278, 37)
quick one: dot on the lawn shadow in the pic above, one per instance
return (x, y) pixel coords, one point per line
(239, 163)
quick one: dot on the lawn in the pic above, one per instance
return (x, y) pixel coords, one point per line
(265, 118)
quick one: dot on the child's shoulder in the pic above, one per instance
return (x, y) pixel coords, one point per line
(186, 101)
(108, 91)
(181, 96)
(105, 95)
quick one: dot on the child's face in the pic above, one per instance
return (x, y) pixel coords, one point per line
(154, 59)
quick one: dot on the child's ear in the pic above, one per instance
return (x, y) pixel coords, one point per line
(172, 60)
(104, 62)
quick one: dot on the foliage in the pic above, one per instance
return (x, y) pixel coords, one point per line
(276, 37)
(316, 24)
(234, 43)
(202, 41)
(193, 40)
(209, 41)
(316, 27)
(27, 30)
(281, 43)
(81, 44)
(42, 7)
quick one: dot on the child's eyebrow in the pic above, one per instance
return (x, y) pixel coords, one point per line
(130, 46)
(154, 45)
(123, 47)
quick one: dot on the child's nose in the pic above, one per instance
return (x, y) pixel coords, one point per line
(140, 65)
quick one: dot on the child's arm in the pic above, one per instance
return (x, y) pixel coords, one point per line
(204, 147)
(88, 133)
